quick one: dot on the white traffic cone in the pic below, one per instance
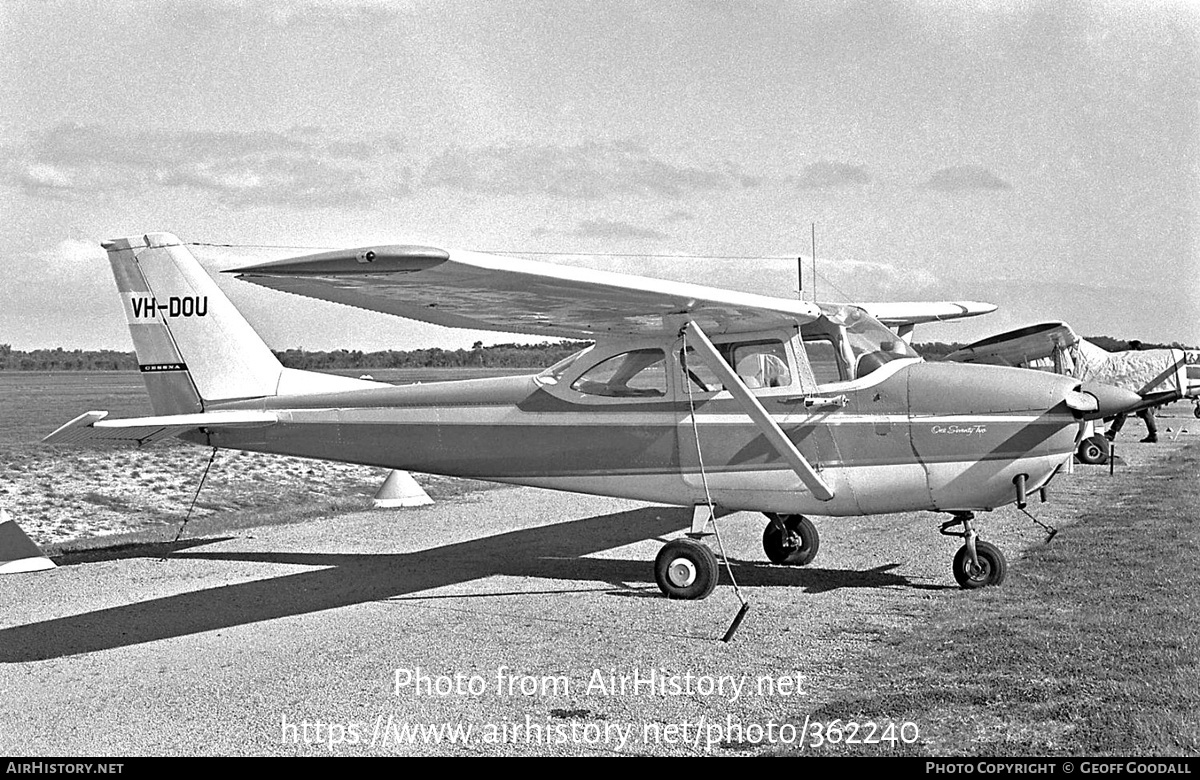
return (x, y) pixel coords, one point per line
(18, 553)
(400, 489)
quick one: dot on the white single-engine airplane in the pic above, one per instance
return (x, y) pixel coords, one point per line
(691, 396)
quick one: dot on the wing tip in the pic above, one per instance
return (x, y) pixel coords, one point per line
(399, 258)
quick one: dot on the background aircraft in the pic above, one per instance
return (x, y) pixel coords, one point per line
(691, 395)
(1157, 376)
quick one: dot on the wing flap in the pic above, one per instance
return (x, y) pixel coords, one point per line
(513, 295)
(93, 426)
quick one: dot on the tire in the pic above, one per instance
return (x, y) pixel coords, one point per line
(993, 567)
(779, 551)
(1196, 411)
(1094, 450)
(686, 569)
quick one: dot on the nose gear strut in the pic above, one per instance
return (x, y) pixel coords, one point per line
(977, 563)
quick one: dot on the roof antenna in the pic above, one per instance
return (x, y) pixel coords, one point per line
(814, 257)
(800, 276)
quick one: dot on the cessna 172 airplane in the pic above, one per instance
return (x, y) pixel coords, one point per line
(1155, 376)
(691, 395)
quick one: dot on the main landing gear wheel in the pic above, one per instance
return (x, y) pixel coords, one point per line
(990, 571)
(686, 569)
(1094, 450)
(790, 539)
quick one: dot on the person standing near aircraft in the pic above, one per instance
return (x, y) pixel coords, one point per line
(1146, 414)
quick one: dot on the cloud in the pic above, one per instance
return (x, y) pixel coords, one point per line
(820, 175)
(215, 14)
(303, 168)
(605, 228)
(874, 279)
(309, 167)
(42, 176)
(71, 260)
(74, 252)
(965, 177)
(585, 171)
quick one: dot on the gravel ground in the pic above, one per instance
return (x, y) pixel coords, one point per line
(519, 609)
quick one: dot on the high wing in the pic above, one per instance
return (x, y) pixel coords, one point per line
(905, 315)
(512, 295)
(900, 313)
(1019, 346)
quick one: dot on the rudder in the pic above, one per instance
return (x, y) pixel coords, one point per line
(192, 344)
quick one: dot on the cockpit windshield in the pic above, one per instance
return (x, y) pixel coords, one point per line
(855, 343)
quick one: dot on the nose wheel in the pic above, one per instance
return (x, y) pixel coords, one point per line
(790, 539)
(686, 569)
(977, 564)
(989, 567)
(1094, 450)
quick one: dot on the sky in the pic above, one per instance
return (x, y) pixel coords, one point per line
(1042, 156)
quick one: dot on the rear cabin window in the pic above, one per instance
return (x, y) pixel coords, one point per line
(759, 364)
(640, 373)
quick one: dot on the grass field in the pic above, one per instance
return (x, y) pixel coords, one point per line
(68, 495)
(1090, 648)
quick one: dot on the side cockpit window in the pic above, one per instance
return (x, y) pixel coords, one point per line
(823, 358)
(640, 373)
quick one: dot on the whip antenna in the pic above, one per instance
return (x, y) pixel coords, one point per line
(814, 257)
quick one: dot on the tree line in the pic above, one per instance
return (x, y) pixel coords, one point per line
(495, 356)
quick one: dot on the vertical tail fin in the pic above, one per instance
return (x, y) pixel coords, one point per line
(192, 345)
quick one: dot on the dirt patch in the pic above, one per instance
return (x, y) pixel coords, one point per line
(64, 494)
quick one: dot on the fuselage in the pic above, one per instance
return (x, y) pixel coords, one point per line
(906, 435)
(690, 395)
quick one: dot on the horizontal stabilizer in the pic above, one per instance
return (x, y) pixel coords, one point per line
(92, 426)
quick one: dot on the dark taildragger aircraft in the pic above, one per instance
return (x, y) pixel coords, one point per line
(1154, 377)
(691, 395)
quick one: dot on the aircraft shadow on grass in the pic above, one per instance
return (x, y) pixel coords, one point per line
(549, 552)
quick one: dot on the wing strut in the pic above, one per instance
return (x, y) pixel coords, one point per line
(750, 405)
